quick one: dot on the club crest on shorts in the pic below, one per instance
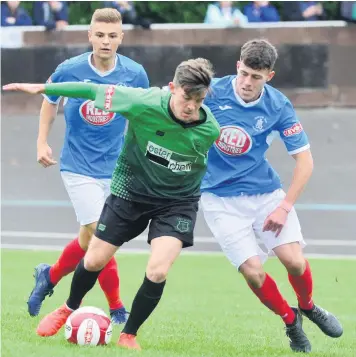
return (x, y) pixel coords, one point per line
(101, 227)
(183, 225)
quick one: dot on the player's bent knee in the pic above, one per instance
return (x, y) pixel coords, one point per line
(294, 266)
(99, 254)
(254, 275)
(93, 264)
(255, 278)
(157, 275)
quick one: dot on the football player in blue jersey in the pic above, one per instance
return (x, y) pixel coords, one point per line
(242, 197)
(92, 143)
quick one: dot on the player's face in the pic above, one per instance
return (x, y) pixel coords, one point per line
(105, 39)
(250, 82)
(184, 106)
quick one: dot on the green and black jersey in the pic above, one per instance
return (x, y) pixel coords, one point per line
(163, 158)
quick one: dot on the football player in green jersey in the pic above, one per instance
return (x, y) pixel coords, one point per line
(156, 182)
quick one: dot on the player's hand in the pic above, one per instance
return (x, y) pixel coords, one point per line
(31, 88)
(276, 221)
(44, 155)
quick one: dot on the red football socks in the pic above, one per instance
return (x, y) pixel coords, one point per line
(303, 287)
(67, 262)
(108, 277)
(270, 296)
(110, 284)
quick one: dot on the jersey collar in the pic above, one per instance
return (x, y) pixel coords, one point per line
(102, 74)
(240, 100)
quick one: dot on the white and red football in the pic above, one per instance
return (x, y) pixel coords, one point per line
(88, 326)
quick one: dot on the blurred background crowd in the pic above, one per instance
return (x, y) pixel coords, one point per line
(56, 15)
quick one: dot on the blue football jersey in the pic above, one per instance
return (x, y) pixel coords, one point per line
(237, 164)
(93, 138)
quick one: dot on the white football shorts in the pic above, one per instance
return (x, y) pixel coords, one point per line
(237, 222)
(87, 194)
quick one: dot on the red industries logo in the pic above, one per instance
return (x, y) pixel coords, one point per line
(95, 116)
(233, 141)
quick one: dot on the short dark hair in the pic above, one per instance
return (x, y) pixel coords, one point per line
(194, 75)
(259, 54)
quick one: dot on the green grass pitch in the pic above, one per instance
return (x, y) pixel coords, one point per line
(206, 310)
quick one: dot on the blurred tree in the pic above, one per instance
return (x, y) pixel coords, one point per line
(172, 11)
(167, 11)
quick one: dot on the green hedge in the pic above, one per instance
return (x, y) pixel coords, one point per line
(167, 11)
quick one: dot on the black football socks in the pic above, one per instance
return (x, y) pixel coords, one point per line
(145, 301)
(83, 281)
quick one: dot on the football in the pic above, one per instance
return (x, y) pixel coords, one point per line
(88, 326)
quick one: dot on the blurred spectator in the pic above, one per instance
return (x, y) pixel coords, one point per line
(303, 11)
(224, 13)
(348, 10)
(12, 14)
(51, 14)
(128, 13)
(261, 11)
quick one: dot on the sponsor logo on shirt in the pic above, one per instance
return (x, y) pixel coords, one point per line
(95, 116)
(234, 141)
(171, 160)
(108, 97)
(293, 130)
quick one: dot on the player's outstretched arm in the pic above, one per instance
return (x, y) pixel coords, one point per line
(67, 89)
(31, 88)
(125, 100)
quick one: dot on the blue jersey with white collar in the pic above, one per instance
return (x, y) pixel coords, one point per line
(93, 137)
(236, 162)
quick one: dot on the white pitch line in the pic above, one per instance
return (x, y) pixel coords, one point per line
(197, 239)
(60, 247)
(129, 251)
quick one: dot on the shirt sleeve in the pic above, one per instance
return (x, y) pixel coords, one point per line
(57, 77)
(129, 102)
(291, 131)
